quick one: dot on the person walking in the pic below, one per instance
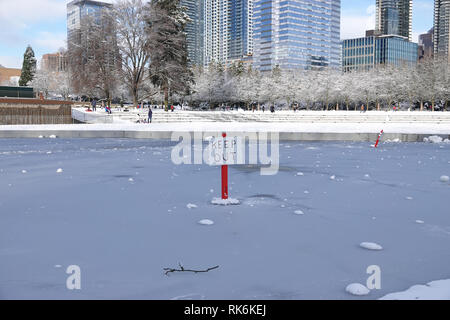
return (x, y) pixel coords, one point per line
(94, 104)
(150, 115)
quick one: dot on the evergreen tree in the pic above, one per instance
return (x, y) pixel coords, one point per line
(28, 67)
(169, 70)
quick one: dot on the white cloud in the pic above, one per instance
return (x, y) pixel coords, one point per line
(18, 16)
(25, 11)
(354, 25)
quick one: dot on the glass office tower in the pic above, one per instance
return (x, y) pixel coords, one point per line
(78, 9)
(370, 51)
(442, 28)
(194, 30)
(394, 17)
(297, 34)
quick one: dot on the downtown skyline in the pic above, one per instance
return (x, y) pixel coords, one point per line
(46, 32)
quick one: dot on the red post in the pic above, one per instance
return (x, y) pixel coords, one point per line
(224, 177)
(378, 139)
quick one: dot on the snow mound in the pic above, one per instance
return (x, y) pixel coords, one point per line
(409, 198)
(333, 177)
(444, 178)
(225, 202)
(299, 212)
(40, 137)
(357, 289)
(59, 170)
(191, 206)
(24, 171)
(206, 222)
(396, 140)
(370, 246)
(300, 174)
(435, 139)
(420, 221)
(435, 290)
(52, 136)
(131, 179)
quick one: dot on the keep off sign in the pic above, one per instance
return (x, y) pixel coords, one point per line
(224, 152)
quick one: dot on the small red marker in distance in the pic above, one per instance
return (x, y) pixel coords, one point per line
(378, 139)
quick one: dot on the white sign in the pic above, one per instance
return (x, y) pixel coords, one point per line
(223, 150)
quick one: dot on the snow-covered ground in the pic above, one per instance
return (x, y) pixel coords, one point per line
(121, 211)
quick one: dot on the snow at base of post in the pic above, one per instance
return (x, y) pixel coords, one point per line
(225, 202)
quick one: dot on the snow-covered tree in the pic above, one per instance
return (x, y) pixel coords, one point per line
(133, 46)
(166, 21)
(28, 67)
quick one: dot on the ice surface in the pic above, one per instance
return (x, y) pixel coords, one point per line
(357, 289)
(122, 235)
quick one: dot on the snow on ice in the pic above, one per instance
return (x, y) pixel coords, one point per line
(357, 289)
(225, 202)
(435, 290)
(206, 222)
(370, 246)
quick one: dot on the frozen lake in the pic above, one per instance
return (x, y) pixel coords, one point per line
(119, 210)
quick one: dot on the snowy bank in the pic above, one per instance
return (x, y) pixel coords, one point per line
(435, 290)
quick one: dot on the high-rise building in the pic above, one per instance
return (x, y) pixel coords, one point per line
(297, 34)
(394, 17)
(228, 30)
(194, 30)
(373, 50)
(54, 62)
(426, 45)
(442, 28)
(83, 43)
(76, 11)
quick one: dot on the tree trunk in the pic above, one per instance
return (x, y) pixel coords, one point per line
(166, 98)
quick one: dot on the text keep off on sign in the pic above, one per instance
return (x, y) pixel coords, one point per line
(223, 150)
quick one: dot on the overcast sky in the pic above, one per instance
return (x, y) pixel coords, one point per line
(42, 24)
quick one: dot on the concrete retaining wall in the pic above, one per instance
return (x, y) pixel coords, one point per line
(284, 136)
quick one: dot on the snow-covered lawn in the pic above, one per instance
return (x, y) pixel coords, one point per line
(122, 212)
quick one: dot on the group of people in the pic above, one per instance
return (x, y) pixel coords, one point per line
(104, 105)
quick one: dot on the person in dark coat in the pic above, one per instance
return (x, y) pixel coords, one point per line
(150, 115)
(94, 105)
